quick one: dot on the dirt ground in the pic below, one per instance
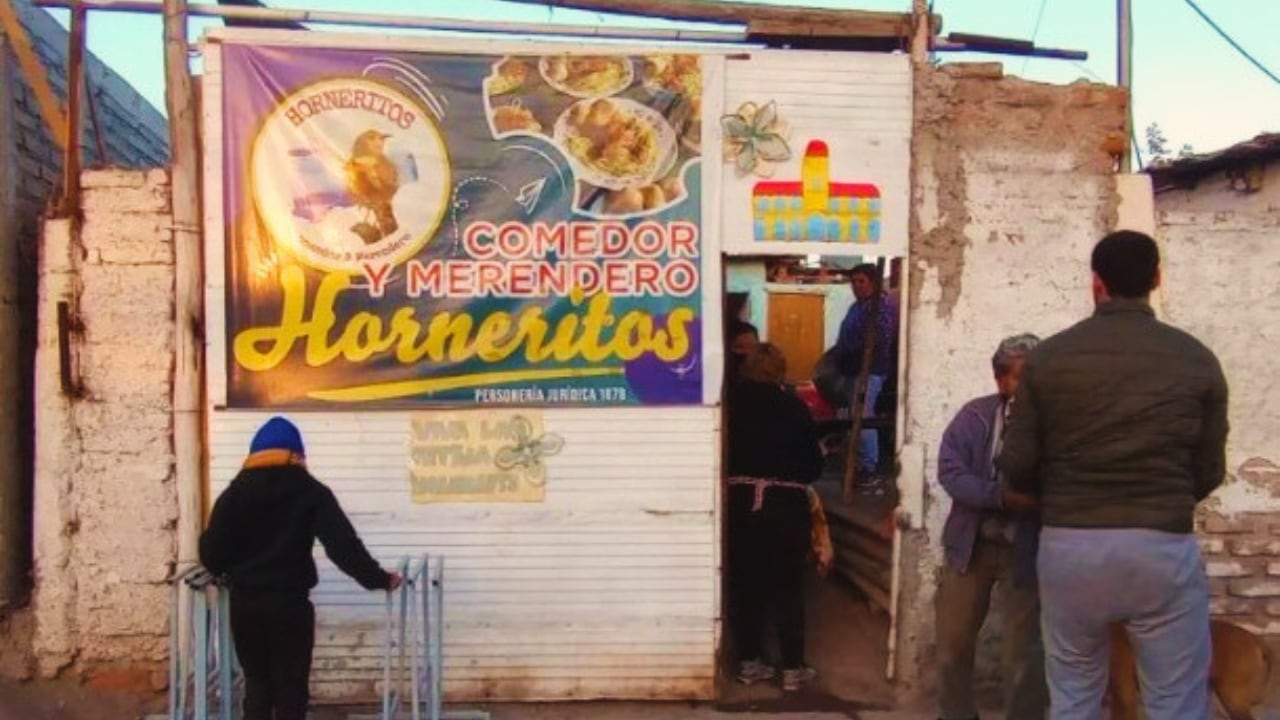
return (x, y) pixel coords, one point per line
(61, 700)
(845, 690)
(70, 700)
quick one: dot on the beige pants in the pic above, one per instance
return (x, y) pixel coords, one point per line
(962, 604)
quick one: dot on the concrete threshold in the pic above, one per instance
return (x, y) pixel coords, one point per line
(646, 711)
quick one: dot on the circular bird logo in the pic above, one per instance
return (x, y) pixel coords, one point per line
(350, 172)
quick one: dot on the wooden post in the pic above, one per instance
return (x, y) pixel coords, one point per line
(95, 117)
(922, 31)
(188, 309)
(1124, 75)
(70, 203)
(858, 397)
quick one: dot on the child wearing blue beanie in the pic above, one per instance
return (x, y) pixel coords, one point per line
(260, 536)
(278, 434)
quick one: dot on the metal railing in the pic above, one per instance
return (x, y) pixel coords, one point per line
(204, 677)
(205, 682)
(413, 651)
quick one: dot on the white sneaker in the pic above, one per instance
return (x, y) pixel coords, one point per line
(754, 671)
(796, 678)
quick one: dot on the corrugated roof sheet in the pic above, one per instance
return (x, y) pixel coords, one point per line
(1186, 172)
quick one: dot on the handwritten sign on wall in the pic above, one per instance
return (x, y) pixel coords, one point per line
(471, 456)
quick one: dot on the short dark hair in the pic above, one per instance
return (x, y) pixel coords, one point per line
(740, 327)
(869, 270)
(1127, 262)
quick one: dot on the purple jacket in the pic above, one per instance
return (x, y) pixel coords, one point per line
(966, 471)
(849, 343)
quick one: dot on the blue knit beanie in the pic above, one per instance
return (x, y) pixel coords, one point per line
(277, 434)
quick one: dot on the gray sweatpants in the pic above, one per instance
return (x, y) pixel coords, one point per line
(1155, 583)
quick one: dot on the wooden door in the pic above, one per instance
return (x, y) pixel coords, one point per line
(796, 326)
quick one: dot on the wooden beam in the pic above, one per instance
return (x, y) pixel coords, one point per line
(34, 70)
(415, 22)
(71, 156)
(760, 20)
(238, 23)
(184, 197)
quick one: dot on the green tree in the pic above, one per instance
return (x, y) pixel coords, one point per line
(1157, 144)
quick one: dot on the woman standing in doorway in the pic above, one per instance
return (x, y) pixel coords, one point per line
(773, 456)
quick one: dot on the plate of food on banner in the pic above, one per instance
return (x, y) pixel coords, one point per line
(587, 76)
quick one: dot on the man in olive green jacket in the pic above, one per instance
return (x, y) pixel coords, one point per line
(1120, 427)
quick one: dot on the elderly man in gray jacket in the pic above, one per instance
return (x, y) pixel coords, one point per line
(990, 543)
(1120, 427)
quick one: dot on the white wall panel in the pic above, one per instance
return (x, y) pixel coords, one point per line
(608, 588)
(859, 104)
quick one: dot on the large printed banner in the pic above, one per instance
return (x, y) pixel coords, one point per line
(410, 228)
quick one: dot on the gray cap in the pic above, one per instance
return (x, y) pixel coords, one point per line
(1011, 348)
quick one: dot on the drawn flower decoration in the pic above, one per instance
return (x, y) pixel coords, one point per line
(755, 138)
(528, 451)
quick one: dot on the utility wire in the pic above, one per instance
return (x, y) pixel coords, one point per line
(1034, 33)
(1089, 71)
(1233, 43)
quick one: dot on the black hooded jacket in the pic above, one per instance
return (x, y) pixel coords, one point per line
(265, 524)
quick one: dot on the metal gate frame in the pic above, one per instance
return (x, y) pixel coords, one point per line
(205, 680)
(203, 675)
(415, 628)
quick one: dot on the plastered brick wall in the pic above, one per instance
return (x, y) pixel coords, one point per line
(1242, 558)
(1222, 261)
(1012, 186)
(105, 502)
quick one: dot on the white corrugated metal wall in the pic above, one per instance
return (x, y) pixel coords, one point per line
(608, 588)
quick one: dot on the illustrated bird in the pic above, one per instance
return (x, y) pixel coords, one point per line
(372, 181)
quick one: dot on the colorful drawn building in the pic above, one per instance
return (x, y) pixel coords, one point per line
(814, 209)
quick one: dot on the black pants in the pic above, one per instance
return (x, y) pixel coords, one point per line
(767, 553)
(274, 634)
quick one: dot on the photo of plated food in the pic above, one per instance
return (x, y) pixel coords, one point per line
(514, 117)
(616, 143)
(691, 129)
(626, 126)
(680, 78)
(587, 76)
(509, 75)
(679, 74)
(649, 198)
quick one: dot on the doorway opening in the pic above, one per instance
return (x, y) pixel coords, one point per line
(800, 304)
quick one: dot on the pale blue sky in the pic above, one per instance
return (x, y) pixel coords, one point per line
(1188, 79)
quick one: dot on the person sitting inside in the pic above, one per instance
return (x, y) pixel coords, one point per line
(873, 318)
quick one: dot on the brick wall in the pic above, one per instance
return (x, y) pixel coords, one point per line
(1242, 557)
(106, 505)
